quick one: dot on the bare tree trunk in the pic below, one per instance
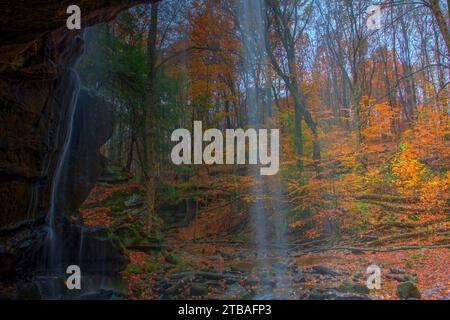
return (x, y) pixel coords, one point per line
(130, 150)
(441, 22)
(291, 79)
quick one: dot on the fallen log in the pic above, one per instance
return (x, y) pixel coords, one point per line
(410, 225)
(386, 198)
(411, 235)
(359, 249)
(179, 285)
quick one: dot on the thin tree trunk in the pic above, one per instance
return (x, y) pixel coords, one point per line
(151, 102)
(441, 22)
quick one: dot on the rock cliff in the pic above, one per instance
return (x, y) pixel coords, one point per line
(38, 88)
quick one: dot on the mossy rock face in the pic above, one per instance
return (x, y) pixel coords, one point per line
(173, 259)
(151, 266)
(408, 290)
(128, 236)
(99, 233)
(114, 174)
(135, 200)
(349, 287)
(132, 268)
(29, 291)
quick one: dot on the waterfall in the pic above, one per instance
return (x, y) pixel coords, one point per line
(54, 254)
(68, 241)
(252, 28)
(65, 95)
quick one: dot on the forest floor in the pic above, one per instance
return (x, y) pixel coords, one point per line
(226, 271)
(226, 266)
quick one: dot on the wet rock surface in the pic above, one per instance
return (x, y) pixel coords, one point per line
(38, 88)
(104, 294)
(93, 126)
(37, 83)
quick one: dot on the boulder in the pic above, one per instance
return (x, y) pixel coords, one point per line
(172, 259)
(322, 270)
(103, 294)
(129, 237)
(408, 290)
(350, 287)
(100, 255)
(199, 290)
(236, 291)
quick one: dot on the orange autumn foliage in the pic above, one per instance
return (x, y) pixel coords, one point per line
(408, 171)
(96, 217)
(404, 163)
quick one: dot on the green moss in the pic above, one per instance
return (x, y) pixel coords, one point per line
(151, 266)
(134, 269)
(361, 206)
(128, 236)
(173, 258)
(185, 263)
(408, 290)
(349, 287)
(137, 292)
(235, 237)
(169, 193)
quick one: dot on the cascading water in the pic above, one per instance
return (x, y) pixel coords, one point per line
(69, 242)
(252, 26)
(48, 278)
(53, 252)
(65, 94)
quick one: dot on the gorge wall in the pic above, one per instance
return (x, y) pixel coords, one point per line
(37, 85)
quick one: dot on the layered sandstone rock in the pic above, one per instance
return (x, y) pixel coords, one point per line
(37, 89)
(37, 83)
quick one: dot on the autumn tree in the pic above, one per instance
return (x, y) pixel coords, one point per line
(284, 34)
